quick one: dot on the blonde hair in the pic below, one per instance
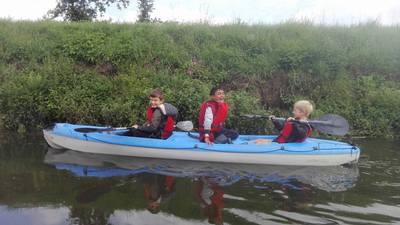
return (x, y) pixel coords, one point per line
(305, 106)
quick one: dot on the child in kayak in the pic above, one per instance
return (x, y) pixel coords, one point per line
(213, 114)
(296, 128)
(160, 119)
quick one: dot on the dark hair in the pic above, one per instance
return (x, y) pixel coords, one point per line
(157, 93)
(214, 90)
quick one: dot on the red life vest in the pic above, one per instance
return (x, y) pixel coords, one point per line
(220, 113)
(168, 128)
(291, 132)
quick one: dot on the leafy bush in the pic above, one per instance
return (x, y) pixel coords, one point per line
(101, 73)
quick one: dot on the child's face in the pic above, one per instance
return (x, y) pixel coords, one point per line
(155, 102)
(298, 113)
(219, 96)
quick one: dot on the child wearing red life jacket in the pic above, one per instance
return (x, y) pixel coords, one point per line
(212, 116)
(297, 128)
(160, 119)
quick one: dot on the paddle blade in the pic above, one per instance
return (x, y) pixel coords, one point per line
(331, 124)
(185, 125)
(90, 129)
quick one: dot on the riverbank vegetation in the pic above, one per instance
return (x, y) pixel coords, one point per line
(101, 73)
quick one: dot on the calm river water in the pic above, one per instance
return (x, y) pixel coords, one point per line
(42, 186)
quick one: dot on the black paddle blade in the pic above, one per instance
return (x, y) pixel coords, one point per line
(91, 130)
(331, 124)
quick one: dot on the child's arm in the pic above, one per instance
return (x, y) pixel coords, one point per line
(208, 119)
(155, 123)
(285, 133)
(302, 129)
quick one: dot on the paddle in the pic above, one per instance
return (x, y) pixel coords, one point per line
(182, 125)
(329, 123)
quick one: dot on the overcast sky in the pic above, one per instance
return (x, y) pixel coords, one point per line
(387, 12)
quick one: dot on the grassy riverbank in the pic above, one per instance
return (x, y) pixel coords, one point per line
(101, 73)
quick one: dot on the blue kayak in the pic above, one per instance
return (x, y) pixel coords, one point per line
(253, 149)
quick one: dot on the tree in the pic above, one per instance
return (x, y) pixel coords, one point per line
(79, 10)
(145, 8)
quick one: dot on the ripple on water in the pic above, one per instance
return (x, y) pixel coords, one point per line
(227, 196)
(279, 217)
(386, 184)
(393, 170)
(257, 217)
(385, 168)
(349, 220)
(375, 212)
(303, 218)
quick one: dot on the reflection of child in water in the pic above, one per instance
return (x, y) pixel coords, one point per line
(299, 198)
(211, 199)
(157, 189)
(293, 195)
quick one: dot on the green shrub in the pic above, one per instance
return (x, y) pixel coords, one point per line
(101, 73)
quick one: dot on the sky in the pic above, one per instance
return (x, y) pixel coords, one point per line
(331, 12)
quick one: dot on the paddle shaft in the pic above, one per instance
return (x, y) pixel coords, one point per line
(329, 123)
(312, 122)
(182, 125)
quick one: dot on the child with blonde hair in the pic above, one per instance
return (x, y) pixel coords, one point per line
(296, 128)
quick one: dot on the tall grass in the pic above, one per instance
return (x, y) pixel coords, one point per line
(101, 73)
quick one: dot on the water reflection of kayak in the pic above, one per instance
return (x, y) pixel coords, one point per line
(329, 178)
